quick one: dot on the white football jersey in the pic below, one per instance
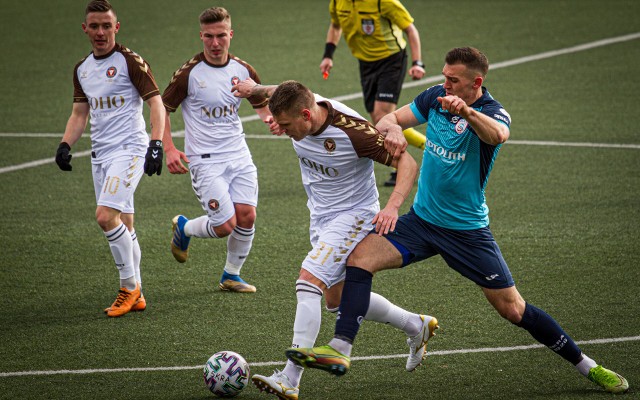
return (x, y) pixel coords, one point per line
(115, 86)
(209, 108)
(337, 162)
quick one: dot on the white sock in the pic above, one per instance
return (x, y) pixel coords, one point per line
(122, 250)
(382, 310)
(137, 255)
(199, 227)
(293, 372)
(585, 365)
(238, 247)
(129, 283)
(342, 346)
(307, 323)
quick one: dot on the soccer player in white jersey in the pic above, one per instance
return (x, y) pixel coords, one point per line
(336, 148)
(223, 175)
(110, 85)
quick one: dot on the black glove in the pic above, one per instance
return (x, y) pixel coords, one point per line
(63, 158)
(153, 159)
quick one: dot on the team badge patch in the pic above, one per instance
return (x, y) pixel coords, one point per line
(111, 72)
(330, 145)
(214, 204)
(235, 80)
(368, 26)
(461, 126)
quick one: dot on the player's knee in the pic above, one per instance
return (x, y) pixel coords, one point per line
(107, 220)
(225, 229)
(510, 312)
(245, 216)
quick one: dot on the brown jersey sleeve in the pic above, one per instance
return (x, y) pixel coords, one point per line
(255, 101)
(140, 74)
(367, 141)
(78, 94)
(178, 87)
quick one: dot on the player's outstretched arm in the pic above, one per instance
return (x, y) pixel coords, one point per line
(249, 87)
(392, 125)
(386, 219)
(72, 132)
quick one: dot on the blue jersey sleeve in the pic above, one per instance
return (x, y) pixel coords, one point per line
(494, 110)
(426, 101)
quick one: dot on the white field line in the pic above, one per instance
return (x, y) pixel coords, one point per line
(37, 163)
(428, 80)
(274, 363)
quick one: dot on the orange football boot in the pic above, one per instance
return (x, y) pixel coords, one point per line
(124, 302)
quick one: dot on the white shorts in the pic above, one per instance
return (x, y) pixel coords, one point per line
(219, 186)
(115, 180)
(333, 239)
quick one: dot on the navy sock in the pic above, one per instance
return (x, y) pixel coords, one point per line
(354, 304)
(546, 330)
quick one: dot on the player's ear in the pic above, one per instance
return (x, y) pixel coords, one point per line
(84, 27)
(477, 82)
(230, 33)
(117, 27)
(306, 114)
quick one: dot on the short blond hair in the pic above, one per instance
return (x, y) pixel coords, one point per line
(290, 96)
(215, 14)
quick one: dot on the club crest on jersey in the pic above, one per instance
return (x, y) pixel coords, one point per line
(214, 204)
(368, 26)
(235, 80)
(111, 72)
(461, 126)
(330, 145)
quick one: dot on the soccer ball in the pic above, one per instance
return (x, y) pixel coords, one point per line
(226, 373)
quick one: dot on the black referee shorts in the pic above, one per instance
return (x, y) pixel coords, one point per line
(382, 80)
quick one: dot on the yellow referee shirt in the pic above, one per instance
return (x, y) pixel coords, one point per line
(371, 28)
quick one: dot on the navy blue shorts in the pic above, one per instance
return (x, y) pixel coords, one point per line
(473, 253)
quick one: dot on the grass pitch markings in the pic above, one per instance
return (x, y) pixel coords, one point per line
(44, 161)
(431, 79)
(274, 363)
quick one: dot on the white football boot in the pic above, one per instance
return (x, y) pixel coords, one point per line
(418, 343)
(277, 384)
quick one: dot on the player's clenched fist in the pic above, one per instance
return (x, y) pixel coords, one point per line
(63, 157)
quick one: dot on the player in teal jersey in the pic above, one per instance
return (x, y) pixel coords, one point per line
(465, 129)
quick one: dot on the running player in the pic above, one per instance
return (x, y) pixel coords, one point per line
(223, 175)
(110, 85)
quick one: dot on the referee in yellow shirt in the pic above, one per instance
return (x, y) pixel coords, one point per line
(373, 30)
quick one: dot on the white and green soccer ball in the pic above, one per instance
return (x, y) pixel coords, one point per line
(226, 373)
